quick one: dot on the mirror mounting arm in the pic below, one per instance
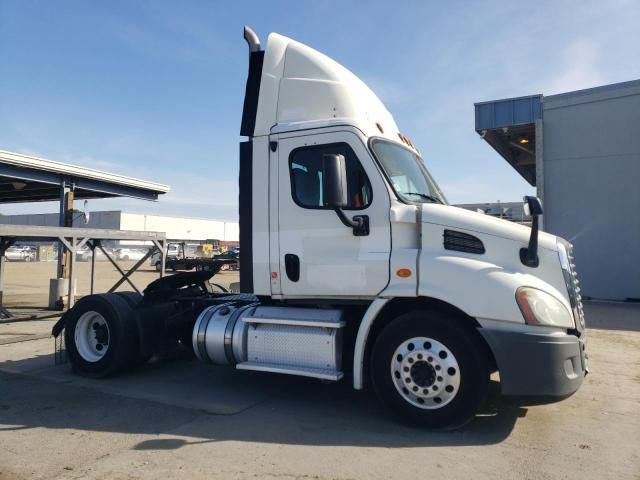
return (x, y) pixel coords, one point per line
(529, 255)
(359, 223)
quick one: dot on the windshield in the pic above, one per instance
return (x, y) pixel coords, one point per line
(407, 173)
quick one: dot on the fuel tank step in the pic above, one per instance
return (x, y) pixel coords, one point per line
(326, 374)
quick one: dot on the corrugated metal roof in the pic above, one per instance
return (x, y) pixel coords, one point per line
(27, 178)
(508, 112)
(37, 163)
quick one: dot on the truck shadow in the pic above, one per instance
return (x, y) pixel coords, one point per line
(286, 410)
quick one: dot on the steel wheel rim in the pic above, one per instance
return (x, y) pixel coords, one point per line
(425, 373)
(92, 336)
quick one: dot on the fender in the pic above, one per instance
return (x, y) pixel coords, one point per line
(361, 340)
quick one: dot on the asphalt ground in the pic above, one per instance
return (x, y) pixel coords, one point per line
(178, 418)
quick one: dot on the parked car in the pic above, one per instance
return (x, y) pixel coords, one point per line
(84, 255)
(129, 254)
(17, 253)
(30, 251)
(229, 255)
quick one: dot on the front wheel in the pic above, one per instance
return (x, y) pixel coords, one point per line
(430, 370)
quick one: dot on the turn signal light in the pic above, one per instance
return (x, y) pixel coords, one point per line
(403, 273)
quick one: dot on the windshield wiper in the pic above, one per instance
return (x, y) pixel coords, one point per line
(426, 197)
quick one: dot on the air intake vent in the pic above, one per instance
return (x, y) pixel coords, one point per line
(462, 242)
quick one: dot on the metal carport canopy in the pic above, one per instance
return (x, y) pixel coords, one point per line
(25, 178)
(509, 126)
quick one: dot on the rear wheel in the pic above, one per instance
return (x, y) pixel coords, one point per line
(430, 370)
(100, 337)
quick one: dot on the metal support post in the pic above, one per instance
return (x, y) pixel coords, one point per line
(92, 245)
(4, 244)
(71, 258)
(2, 262)
(540, 166)
(161, 246)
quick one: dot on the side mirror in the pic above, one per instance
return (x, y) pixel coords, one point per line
(336, 196)
(532, 206)
(334, 181)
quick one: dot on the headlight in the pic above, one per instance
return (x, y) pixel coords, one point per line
(540, 308)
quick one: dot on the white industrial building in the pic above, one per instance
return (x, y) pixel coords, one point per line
(581, 150)
(175, 228)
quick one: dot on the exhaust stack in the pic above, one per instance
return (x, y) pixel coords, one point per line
(252, 40)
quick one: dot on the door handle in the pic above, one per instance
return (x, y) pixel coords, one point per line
(292, 266)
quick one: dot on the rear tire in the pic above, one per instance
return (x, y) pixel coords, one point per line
(100, 337)
(132, 298)
(430, 370)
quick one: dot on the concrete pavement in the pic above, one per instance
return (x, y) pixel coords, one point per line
(183, 419)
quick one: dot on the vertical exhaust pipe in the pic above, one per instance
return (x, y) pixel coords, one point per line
(247, 128)
(252, 40)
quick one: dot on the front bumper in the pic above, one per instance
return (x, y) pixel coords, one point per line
(537, 367)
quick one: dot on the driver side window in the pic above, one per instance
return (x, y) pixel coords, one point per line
(305, 169)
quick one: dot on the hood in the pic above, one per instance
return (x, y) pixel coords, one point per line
(468, 221)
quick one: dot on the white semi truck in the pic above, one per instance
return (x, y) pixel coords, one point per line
(353, 265)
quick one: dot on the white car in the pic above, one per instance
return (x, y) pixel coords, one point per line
(84, 255)
(18, 254)
(129, 254)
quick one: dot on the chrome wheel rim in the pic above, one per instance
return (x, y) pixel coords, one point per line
(425, 373)
(92, 336)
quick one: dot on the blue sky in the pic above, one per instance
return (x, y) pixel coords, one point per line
(154, 89)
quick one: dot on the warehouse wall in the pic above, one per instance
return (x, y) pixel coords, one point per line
(592, 184)
(181, 228)
(38, 219)
(105, 219)
(176, 228)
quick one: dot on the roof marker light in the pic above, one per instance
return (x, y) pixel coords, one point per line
(380, 128)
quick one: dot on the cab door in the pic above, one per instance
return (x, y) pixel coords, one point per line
(318, 255)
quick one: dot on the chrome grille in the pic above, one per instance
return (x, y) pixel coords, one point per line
(573, 288)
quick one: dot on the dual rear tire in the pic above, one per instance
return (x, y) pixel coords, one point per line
(100, 337)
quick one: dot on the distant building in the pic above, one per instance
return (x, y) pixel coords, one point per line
(581, 150)
(175, 228)
(513, 211)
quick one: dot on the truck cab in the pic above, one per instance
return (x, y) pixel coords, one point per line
(354, 264)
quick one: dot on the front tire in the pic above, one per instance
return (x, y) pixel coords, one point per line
(430, 370)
